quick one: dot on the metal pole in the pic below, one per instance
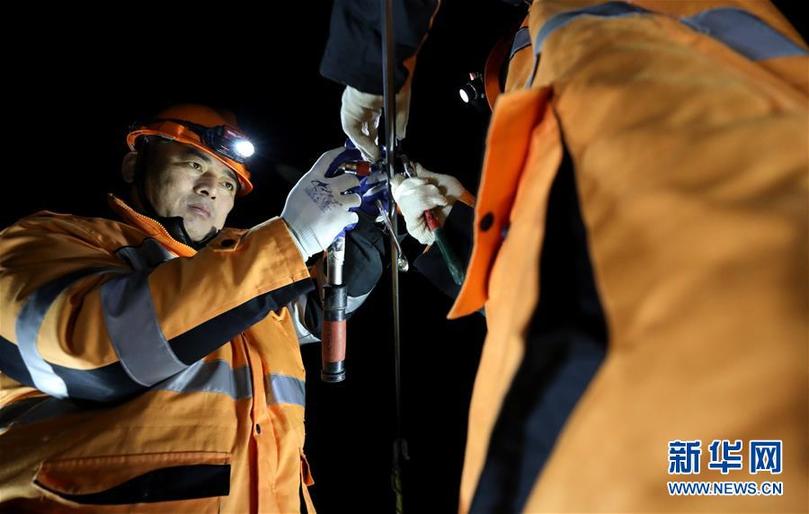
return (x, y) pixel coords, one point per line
(399, 445)
(390, 136)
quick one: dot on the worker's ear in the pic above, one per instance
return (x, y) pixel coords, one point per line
(128, 167)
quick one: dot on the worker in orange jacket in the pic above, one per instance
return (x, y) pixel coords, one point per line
(640, 249)
(150, 362)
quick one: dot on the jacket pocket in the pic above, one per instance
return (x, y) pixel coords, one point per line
(128, 479)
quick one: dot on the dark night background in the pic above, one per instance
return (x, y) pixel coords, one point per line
(74, 80)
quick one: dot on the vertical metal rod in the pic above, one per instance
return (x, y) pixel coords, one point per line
(390, 136)
(399, 445)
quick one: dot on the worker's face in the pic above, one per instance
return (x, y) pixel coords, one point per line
(183, 181)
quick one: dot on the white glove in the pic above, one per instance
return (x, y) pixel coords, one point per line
(426, 190)
(316, 209)
(359, 115)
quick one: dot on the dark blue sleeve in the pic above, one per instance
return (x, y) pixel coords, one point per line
(353, 54)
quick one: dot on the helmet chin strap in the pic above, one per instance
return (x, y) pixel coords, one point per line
(174, 225)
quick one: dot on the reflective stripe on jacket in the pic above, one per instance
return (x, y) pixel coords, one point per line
(688, 141)
(136, 371)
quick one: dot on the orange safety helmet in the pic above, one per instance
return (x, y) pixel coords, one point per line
(493, 70)
(214, 132)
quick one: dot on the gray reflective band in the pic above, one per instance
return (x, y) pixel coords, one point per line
(736, 28)
(521, 39)
(607, 10)
(745, 33)
(211, 377)
(146, 256)
(134, 330)
(27, 327)
(285, 389)
(218, 377)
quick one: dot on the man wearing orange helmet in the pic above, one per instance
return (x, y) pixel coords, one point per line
(151, 363)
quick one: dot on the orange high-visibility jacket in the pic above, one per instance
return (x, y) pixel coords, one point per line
(141, 376)
(690, 151)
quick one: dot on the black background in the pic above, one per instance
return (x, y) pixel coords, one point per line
(74, 78)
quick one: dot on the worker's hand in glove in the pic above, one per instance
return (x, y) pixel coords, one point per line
(427, 190)
(317, 208)
(359, 115)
